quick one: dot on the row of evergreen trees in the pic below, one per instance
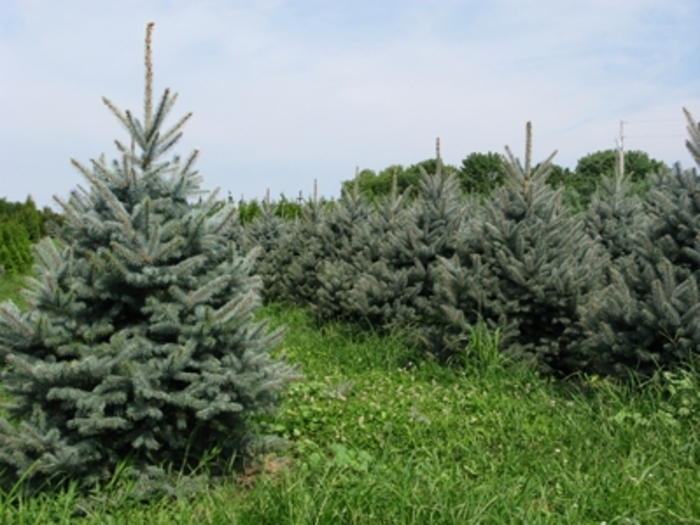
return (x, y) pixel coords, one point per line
(482, 173)
(139, 341)
(609, 290)
(21, 225)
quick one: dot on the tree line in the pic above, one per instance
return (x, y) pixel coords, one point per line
(481, 173)
(21, 225)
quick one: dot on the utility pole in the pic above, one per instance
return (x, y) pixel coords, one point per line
(622, 147)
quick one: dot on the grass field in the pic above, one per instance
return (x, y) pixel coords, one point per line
(11, 289)
(377, 436)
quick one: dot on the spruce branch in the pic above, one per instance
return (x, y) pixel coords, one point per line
(544, 168)
(182, 175)
(122, 118)
(121, 147)
(163, 146)
(137, 259)
(13, 317)
(166, 104)
(101, 168)
(114, 204)
(205, 293)
(167, 249)
(157, 120)
(47, 253)
(221, 219)
(136, 132)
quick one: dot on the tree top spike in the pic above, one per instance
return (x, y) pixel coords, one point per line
(149, 76)
(528, 148)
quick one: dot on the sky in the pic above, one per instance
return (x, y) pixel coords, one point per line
(285, 92)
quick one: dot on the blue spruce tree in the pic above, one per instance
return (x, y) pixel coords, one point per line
(524, 264)
(648, 317)
(266, 232)
(139, 341)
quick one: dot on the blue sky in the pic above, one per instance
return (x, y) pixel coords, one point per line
(285, 92)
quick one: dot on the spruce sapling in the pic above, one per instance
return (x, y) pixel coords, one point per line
(139, 341)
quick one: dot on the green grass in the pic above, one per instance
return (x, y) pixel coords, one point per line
(11, 287)
(378, 436)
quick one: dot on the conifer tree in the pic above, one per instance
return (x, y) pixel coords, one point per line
(615, 214)
(397, 289)
(15, 248)
(375, 291)
(267, 231)
(523, 266)
(138, 342)
(30, 218)
(21, 225)
(649, 315)
(299, 253)
(336, 272)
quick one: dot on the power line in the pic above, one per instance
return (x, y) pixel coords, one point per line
(657, 120)
(621, 157)
(654, 136)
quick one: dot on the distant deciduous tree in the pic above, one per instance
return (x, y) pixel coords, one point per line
(375, 185)
(593, 167)
(481, 172)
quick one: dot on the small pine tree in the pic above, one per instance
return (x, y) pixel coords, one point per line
(616, 214)
(524, 265)
(30, 218)
(395, 288)
(267, 231)
(336, 273)
(139, 341)
(298, 255)
(649, 315)
(15, 248)
(374, 289)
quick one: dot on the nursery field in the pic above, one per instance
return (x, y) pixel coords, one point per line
(377, 435)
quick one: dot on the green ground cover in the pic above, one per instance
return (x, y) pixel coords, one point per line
(11, 288)
(377, 436)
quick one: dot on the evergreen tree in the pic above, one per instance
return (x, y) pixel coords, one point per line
(30, 217)
(247, 211)
(649, 316)
(523, 265)
(615, 215)
(376, 291)
(336, 272)
(21, 225)
(298, 255)
(138, 342)
(15, 248)
(267, 231)
(287, 209)
(396, 287)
